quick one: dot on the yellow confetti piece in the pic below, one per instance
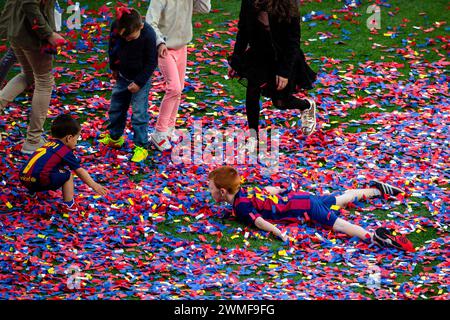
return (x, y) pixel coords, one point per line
(51, 270)
(335, 207)
(235, 236)
(210, 30)
(166, 190)
(9, 205)
(165, 175)
(282, 253)
(131, 201)
(142, 218)
(273, 266)
(41, 236)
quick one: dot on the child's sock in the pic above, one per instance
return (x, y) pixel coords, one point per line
(69, 203)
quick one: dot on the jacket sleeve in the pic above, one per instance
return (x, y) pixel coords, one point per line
(150, 60)
(291, 46)
(202, 6)
(39, 24)
(242, 38)
(152, 18)
(112, 49)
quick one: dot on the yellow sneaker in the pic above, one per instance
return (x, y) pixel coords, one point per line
(107, 140)
(140, 154)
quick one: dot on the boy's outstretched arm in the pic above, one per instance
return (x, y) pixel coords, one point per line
(267, 226)
(86, 178)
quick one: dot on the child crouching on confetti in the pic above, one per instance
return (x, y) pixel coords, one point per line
(45, 168)
(283, 206)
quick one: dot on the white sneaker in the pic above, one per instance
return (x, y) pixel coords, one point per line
(161, 141)
(308, 118)
(172, 134)
(30, 148)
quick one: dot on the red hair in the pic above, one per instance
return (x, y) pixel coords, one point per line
(227, 178)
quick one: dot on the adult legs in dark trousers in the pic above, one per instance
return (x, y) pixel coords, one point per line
(279, 99)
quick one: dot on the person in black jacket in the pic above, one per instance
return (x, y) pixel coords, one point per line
(267, 53)
(133, 59)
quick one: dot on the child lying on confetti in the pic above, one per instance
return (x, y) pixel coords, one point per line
(283, 206)
(44, 170)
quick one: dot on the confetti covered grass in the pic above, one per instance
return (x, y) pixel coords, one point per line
(383, 113)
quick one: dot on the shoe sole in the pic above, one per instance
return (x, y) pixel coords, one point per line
(382, 184)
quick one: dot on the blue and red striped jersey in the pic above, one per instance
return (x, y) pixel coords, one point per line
(48, 159)
(285, 207)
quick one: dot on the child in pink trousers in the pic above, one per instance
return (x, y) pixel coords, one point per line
(172, 22)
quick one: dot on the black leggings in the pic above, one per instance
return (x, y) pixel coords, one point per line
(279, 101)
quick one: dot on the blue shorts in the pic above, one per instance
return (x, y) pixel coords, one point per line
(321, 212)
(57, 180)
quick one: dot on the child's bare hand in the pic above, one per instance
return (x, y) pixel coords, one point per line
(133, 88)
(162, 50)
(101, 190)
(284, 237)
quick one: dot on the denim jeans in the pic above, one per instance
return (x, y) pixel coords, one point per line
(120, 103)
(8, 60)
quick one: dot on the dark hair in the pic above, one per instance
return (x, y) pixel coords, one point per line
(282, 10)
(64, 125)
(130, 21)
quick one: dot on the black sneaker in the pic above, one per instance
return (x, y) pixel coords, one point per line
(383, 238)
(386, 188)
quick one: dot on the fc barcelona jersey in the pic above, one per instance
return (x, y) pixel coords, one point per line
(50, 158)
(285, 207)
